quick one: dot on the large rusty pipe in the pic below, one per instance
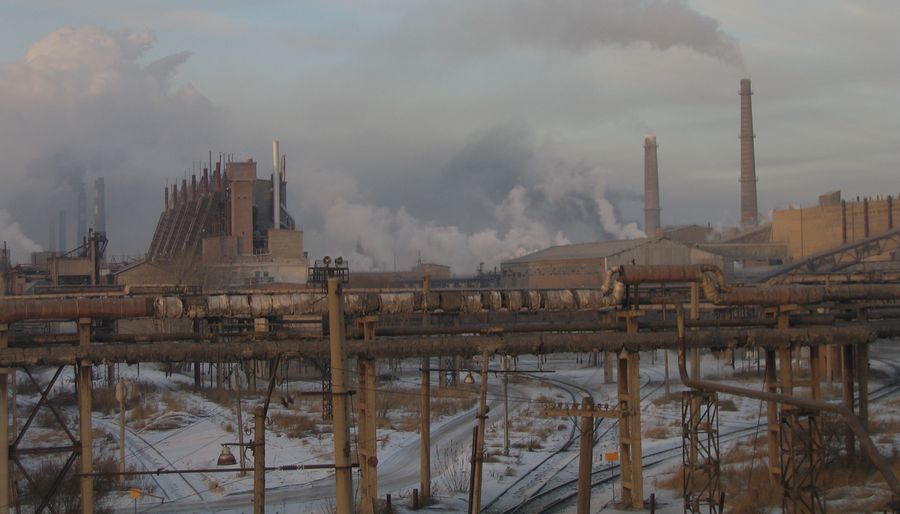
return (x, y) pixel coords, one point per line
(414, 346)
(799, 295)
(866, 444)
(95, 308)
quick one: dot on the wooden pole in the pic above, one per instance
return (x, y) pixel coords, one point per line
(84, 419)
(475, 506)
(341, 413)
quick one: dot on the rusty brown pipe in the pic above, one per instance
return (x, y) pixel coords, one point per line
(865, 442)
(20, 309)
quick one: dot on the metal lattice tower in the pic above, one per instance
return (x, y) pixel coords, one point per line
(802, 458)
(702, 489)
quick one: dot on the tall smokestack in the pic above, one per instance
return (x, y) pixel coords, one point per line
(52, 236)
(749, 210)
(100, 205)
(651, 186)
(276, 186)
(81, 229)
(62, 244)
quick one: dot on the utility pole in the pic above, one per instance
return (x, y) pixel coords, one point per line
(4, 427)
(236, 373)
(505, 365)
(84, 419)
(475, 506)
(259, 460)
(425, 411)
(121, 395)
(365, 431)
(341, 413)
(587, 412)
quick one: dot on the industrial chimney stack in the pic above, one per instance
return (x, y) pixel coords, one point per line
(81, 229)
(749, 210)
(100, 205)
(276, 186)
(651, 187)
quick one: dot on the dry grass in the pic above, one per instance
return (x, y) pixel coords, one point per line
(659, 431)
(296, 426)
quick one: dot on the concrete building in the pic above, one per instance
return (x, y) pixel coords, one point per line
(220, 231)
(833, 222)
(585, 264)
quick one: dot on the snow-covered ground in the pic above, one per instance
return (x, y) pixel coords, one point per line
(187, 429)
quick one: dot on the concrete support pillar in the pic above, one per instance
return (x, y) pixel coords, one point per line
(341, 406)
(774, 446)
(366, 430)
(585, 457)
(630, 458)
(259, 460)
(84, 419)
(862, 380)
(4, 428)
(815, 373)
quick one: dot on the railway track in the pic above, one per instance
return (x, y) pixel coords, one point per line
(539, 483)
(558, 495)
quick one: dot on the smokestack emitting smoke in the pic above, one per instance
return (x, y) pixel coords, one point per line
(100, 205)
(749, 210)
(62, 244)
(51, 239)
(81, 229)
(276, 186)
(651, 186)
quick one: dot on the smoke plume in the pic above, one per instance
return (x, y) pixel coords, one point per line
(81, 103)
(578, 25)
(11, 233)
(508, 195)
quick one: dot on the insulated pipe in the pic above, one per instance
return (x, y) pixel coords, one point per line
(634, 274)
(800, 295)
(865, 442)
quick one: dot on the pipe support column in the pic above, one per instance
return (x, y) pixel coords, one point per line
(341, 413)
(84, 420)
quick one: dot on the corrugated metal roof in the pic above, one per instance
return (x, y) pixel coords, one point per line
(593, 250)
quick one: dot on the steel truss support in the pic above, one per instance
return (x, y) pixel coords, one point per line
(802, 458)
(702, 490)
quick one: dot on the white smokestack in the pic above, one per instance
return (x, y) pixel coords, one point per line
(276, 185)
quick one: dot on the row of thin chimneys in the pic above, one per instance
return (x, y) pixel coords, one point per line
(201, 188)
(749, 208)
(57, 240)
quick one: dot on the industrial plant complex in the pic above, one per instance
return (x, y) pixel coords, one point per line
(696, 369)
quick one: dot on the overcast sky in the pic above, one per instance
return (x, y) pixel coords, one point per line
(460, 131)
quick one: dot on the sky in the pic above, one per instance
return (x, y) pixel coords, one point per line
(454, 131)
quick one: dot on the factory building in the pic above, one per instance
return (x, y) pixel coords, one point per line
(585, 264)
(832, 222)
(229, 228)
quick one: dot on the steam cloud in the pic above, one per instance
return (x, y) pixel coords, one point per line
(12, 234)
(546, 199)
(80, 104)
(578, 25)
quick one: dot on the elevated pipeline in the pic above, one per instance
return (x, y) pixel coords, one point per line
(865, 442)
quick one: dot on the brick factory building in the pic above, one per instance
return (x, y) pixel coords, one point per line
(225, 229)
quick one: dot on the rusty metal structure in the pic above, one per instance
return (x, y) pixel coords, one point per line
(701, 487)
(621, 318)
(802, 459)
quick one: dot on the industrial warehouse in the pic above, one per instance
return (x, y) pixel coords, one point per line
(428, 307)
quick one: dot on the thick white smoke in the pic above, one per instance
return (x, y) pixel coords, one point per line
(12, 234)
(84, 102)
(532, 215)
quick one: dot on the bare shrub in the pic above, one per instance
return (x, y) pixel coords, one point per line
(454, 461)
